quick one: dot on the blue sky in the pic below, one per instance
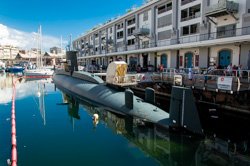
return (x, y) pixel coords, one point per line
(63, 17)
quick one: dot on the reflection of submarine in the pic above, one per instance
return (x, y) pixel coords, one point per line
(89, 87)
(166, 148)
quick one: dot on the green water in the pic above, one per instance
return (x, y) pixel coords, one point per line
(56, 129)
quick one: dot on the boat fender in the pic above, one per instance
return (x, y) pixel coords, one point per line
(95, 117)
(115, 79)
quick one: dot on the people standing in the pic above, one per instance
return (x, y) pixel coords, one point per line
(240, 72)
(229, 69)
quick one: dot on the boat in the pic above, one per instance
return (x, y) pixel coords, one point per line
(16, 68)
(89, 87)
(40, 71)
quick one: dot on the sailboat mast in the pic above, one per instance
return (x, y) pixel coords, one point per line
(40, 40)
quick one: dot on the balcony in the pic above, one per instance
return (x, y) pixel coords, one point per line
(141, 32)
(224, 7)
(196, 15)
(110, 41)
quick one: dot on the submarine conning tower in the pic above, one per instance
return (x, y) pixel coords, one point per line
(71, 58)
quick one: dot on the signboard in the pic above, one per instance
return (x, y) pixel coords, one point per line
(225, 83)
(178, 81)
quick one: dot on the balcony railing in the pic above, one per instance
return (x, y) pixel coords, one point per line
(196, 15)
(186, 39)
(222, 8)
(184, 2)
(141, 32)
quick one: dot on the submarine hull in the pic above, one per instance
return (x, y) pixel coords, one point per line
(110, 98)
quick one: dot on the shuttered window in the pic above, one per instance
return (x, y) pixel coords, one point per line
(164, 21)
(164, 35)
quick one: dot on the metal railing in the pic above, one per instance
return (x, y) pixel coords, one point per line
(223, 5)
(184, 2)
(204, 79)
(196, 15)
(188, 39)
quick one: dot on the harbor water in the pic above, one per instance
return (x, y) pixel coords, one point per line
(54, 128)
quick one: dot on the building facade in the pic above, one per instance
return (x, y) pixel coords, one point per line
(8, 53)
(174, 33)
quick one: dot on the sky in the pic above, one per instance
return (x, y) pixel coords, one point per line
(20, 19)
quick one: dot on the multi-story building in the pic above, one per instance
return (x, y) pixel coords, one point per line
(8, 53)
(175, 33)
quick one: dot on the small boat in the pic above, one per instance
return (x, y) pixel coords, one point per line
(38, 73)
(16, 68)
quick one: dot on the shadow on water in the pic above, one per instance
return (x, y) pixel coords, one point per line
(164, 146)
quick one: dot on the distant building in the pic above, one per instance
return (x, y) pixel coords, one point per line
(56, 50)
(8, 53)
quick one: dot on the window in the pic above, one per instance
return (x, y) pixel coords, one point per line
(185, 30)
(131, 21)
(169, 6)
(184, 15)
(131, 31)
(191, 13)
(162, 9)
(181, 60)
(145, 16)
(110, 30)
(131, 42)
(120, 26)
(248, 10)
(196, 60)
(191, 29)
(96, 35)
(194, 29)
(119, 35)
(226, 31)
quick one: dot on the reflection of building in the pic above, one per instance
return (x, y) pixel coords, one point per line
(220, 152)
(166, 147)
(174, 33)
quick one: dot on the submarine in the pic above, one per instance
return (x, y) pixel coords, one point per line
(89, 87)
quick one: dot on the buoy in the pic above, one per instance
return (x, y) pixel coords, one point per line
(13, 130)
(13, 140)
(14, 154)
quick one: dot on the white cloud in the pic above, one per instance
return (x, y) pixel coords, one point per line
(26, 40)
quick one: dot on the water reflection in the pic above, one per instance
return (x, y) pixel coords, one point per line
(166, 147)
(41, 103)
